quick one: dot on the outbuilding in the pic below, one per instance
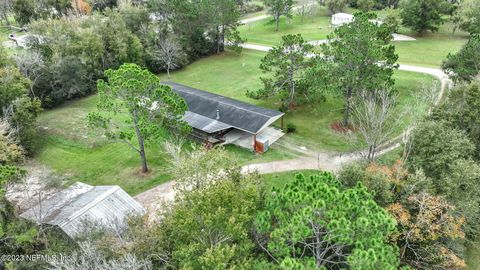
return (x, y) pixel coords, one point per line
(78, 208)
(340, 19)
(217, 119)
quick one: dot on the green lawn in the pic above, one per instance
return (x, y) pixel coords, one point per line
(263, 32)
(428, 50)
(68, 147)
(231, 74)
(4, 32)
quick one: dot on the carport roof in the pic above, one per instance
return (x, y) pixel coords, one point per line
(232, 113)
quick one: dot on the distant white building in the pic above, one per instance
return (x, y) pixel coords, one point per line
(76, 209)
(25, 40)
(340, 19)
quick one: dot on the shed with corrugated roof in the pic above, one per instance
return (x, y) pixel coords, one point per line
(79, 207)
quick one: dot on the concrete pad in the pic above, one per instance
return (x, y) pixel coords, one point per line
(399, 37)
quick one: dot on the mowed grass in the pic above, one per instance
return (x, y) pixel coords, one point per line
(70, 148)
(312, 28)
(428, 50)
(232, 74)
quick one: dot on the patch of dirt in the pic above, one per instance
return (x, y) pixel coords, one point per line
(338, 127)
(40, 183)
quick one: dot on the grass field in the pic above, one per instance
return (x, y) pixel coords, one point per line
(68, 146)
(428, 50)
(232, 74)
(263, 32)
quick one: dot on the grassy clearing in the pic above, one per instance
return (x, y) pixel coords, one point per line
(428, 50)
(69, 147)
(4, 32)
(262, 32)
(232, 74)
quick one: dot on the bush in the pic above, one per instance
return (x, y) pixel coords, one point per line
(291, 128)
(252, 7)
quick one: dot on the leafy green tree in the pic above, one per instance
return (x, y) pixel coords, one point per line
(207, 228)
(201, 26)
(103, 4)
(24, 11)
(392, 19)
(224, 16)
(465, 64)
(74, 53)
(146, 105)
(421, 15)
(278, 8)
(287, 63)
(467, 16)
(358, 57)
(198, 168)
(22, 115)
(460, 187)
(3, 57)
(316, 221)
(335, 6)
(430, 224)
(12, 86)
(436, 147)
(460, 110)
(365, 5)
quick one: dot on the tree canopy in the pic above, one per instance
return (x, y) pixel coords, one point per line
(358, 57)
(422, 15)
(316, 222)
(146, 105)
(465, 64)
(286, 67)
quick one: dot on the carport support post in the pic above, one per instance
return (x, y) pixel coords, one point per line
(254, 142)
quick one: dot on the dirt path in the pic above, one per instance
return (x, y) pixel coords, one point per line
(155, 198)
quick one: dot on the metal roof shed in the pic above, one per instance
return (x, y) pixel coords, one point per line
(340, 19)
(73, 209)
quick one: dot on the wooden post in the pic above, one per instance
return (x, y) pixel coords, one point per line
(255, 143)
(282, 122)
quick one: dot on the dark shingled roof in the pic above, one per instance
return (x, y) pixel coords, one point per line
(234, 113)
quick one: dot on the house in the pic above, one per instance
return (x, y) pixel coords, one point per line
(340, 19)
(79, 207)
(216, 119)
